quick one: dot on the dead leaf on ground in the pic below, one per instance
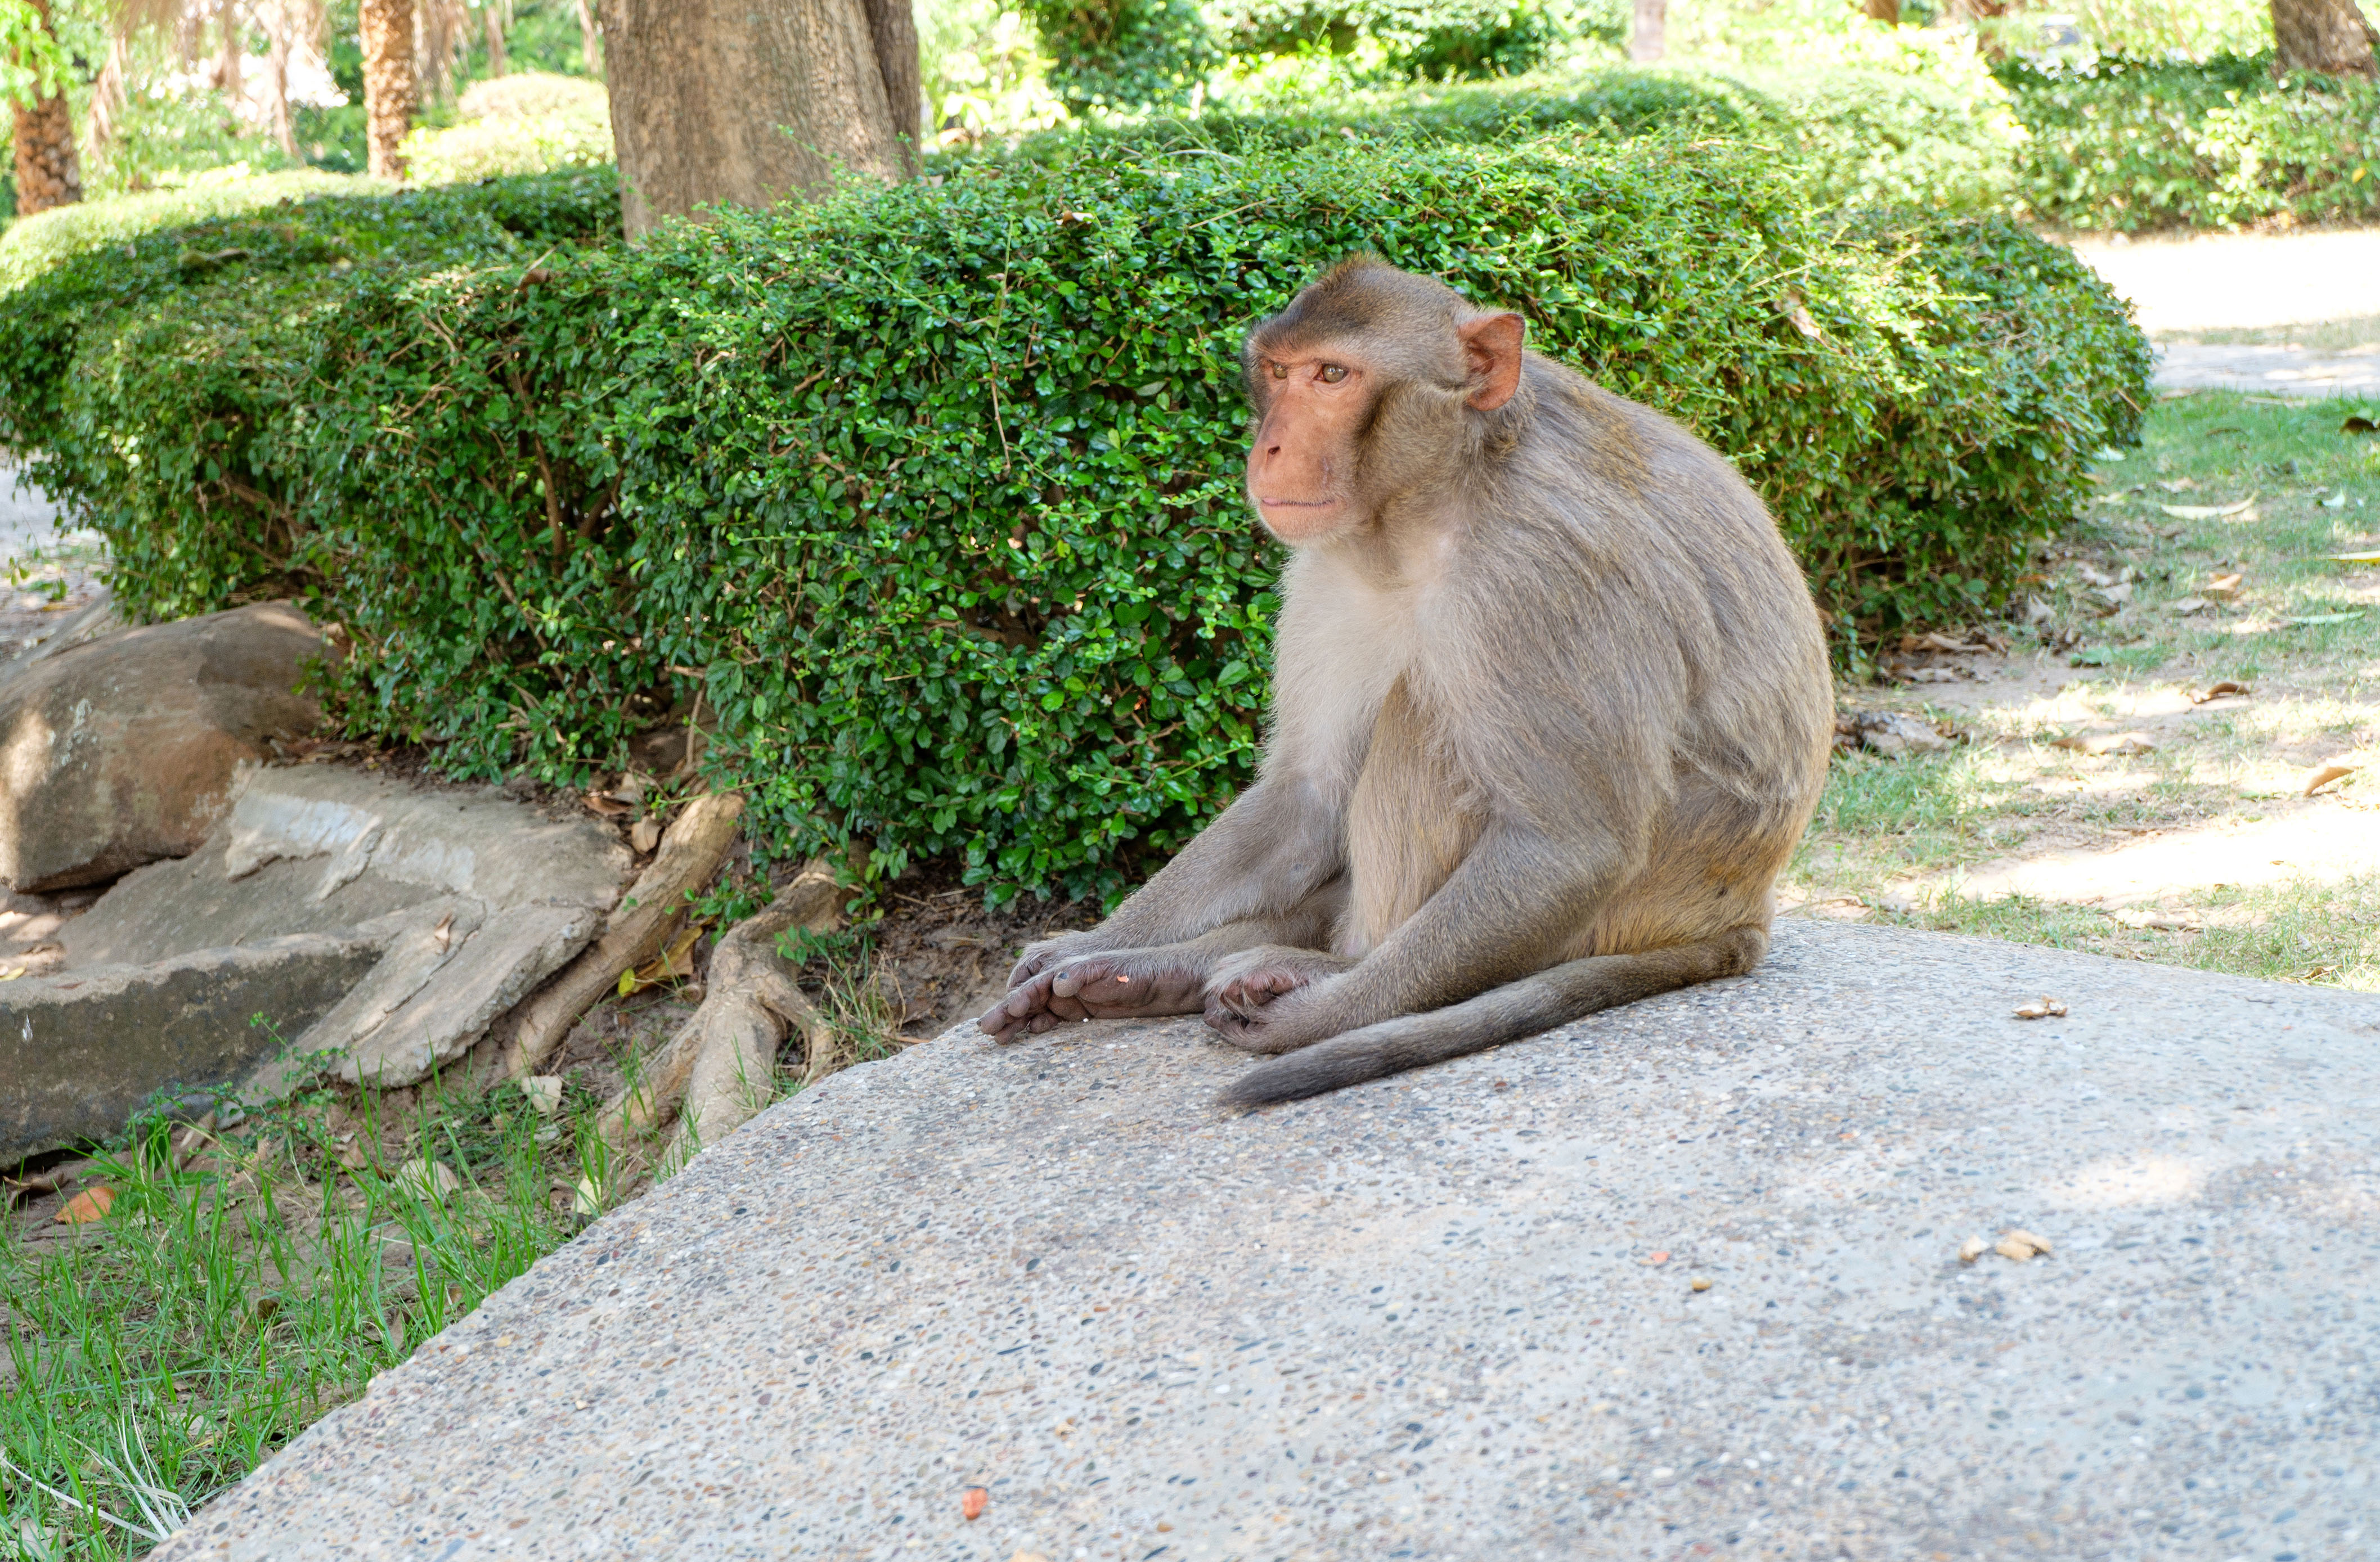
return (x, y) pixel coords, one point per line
(2324, 776)
(2153, 921)
(972, 1505)
(426, 1178)
(2218, 691)
(2040, 1009)
(2178, 485)
(91, 1204)
(2106, 744)
(2368, 556)
(2185, 606)
(1657, 1259)
(443, 934)
(2022, 1246)
(644, 834)
(544, 1092)
(1972, 1249)
(608, 807)
(2208, 512)
(674, 964)
(2223, 588)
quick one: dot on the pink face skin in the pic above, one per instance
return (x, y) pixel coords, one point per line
(1302, 466)
(1304, 451)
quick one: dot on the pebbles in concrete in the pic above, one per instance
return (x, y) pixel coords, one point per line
(1423, 1318)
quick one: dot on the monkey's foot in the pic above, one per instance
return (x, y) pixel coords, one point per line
(1245, 1001)
(1110, 985)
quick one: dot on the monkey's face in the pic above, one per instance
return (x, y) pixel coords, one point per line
(1312, 406)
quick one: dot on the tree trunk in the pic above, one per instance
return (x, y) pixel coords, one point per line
(1886, 11)
(2329, 36)
(589, 41)
(387, 37)
(716, 102)
(1647, 38)
(47, 172)
(498, 63)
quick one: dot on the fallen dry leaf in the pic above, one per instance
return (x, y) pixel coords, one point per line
(2183, 607)
(2020, 1245)
(2217, 691)
(1701, 1285)
(544, 1092)
(2223, 588)
(972, 1505)
(644, 834)
(428, 1179)
(91, 1204)
(2369, 556)
(2324, 776)
(2041, 1009)
(1657, 1259)
(2153, 921)
(1972, 1249)
(443, 934)
(2106, 744)
(2178, 485)
(2207, 512)
(674, 964)
(608, 807)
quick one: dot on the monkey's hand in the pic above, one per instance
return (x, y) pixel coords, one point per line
(1276, 1000)
(1043, 954)
(1101, 984)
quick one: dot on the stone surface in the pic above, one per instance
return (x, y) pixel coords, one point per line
(80, 1053)
(122, 750)
(1453, 1314)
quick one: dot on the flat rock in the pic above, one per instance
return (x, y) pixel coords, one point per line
(122, 750)
(80, 1054)
(1452, 1314)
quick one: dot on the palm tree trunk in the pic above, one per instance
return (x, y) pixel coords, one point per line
(2328, 36)
(47, 172)
(387, 37)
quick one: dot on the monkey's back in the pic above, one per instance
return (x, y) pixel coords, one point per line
(1693, 653)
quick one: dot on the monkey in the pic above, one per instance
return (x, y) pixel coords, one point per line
(1551, 707)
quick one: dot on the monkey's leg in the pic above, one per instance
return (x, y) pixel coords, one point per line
(1167, 979)
(1528, 1007)
(1252, 978)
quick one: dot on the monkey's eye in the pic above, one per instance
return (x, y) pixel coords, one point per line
(1332, 374)
(1280, 372)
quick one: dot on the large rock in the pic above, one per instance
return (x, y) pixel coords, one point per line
(122, 750)
(80, 1054)
(1453, 1314)
(474, 899)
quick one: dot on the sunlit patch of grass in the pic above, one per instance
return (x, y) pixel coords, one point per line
(158, 1355)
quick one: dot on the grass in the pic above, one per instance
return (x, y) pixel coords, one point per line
(154, 1356)
(1910, 839)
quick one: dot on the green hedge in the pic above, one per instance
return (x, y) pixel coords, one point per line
(932, 495)
(1865, 137)
(2132, 145)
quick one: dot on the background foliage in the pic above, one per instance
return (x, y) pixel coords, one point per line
(930, 495)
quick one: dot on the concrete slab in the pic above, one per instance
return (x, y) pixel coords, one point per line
(1453, 1314)
(2273, 371)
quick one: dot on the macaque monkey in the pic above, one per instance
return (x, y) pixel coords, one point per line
(1550, 708)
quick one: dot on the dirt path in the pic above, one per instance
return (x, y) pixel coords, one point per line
(2095, 796)
(2287, 315)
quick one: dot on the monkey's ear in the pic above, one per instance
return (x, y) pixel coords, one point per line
(1492, 344)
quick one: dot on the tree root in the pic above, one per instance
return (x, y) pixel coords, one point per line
(718, 1070)
(639, 928)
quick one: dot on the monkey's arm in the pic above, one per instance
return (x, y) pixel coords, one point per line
(1267, 854)
(1506, 912)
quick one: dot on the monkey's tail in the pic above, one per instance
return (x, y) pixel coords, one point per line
(1525, 1008)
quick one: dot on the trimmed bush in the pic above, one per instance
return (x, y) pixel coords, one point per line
(1864, 138)
(32, 245)
(2130, 145)
(930, 496)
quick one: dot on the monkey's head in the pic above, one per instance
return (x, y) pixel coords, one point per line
(1374, 382)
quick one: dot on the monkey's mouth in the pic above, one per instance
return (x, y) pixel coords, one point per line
(1295, 503)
